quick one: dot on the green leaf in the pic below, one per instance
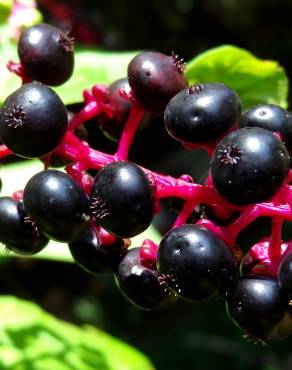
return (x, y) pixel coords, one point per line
(256, 81)
(31, 339)
(93, 67)
(15, 176)
(5, 7)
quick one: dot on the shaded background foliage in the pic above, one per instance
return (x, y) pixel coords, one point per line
(188, 336)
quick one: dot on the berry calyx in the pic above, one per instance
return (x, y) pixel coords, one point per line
(46, 54)
(202, 112)
(154, 79)
(57, 204)
(141, 285)
(249, 166)
(195, 263)
(33, 121)
(122, 199)
(18, 231)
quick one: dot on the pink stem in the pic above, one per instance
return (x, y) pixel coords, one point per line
(276, 241)
(4, 151)
(17, 69)
(131, 126)
(88, 112)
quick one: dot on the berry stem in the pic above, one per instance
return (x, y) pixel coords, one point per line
(276, 241)
(4, 151)
(131, 126)
(90, 110)
(184, 214)
(17, 69)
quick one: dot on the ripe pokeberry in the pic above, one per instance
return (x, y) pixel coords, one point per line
(18, 231)
(94, 256)
(155, 78)
(46, 54)
(255, 304)
(122, 199)
(141, 285)
(195, 263)
(249, 166)
(57, 204)
(33, 120)
(202, 112)
(270, 117)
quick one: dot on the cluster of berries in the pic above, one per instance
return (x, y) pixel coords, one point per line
(198, 259)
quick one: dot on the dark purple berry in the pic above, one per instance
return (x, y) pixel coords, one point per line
(33, 121)
(122, 199)
(249, 166)
(57, 204)
(46, 54)
(272, 118)
(256, 305)
(18, 231)
(195, 263)
(140, 285)
(202, 113)
(90, 253)
(268, 116)
(155, 78)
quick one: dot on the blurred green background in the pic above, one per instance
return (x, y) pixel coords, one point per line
(187, 336)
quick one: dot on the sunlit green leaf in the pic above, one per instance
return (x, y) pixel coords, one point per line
(94, 67)
(31, 339)
(255, 80)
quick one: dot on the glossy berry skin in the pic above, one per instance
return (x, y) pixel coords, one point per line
(285, 273)
(58, 204)
(46, 54)
(17, 231)
(256, 305)
(195, 263)
(272, 118)
(122, 199)
(140, 285)
(154, 79)
(249, 166)
(33, 121)
(202, 112)
(113, 127)
(94, 256)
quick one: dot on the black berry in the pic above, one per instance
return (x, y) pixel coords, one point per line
(90, 253)
(195, 263)
(249, 166)
(256, 305)
(270, 117)
(33, 121)
(202, 113)
(58, 204)
(140, 285)
(17, 230)
(155, 78)
(46, 54)
(122, 199)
